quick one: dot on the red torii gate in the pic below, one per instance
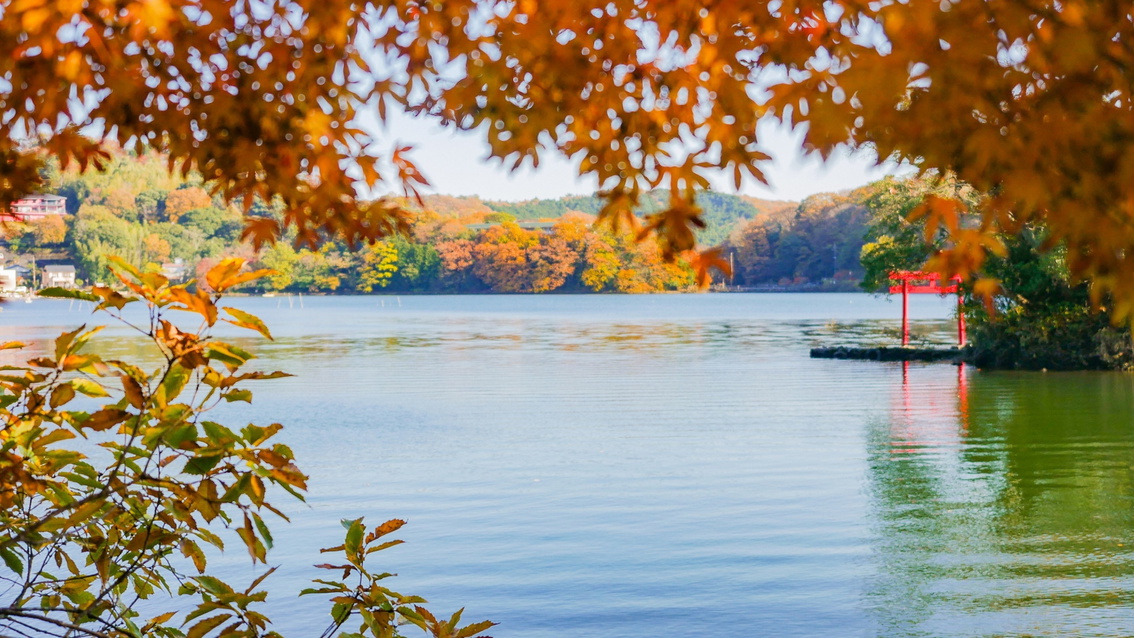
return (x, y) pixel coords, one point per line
(916, 281)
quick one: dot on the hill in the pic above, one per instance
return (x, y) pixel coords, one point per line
(722, 212)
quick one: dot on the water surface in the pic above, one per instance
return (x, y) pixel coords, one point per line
(676, 465)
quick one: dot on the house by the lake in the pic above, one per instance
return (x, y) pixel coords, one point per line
(37, 207)
(57, 276)
(176, 271)
(8, 279)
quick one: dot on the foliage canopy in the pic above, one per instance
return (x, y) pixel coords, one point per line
(1027, 101)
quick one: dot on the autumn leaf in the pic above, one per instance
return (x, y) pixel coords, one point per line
(986, 290)
(707, 260)
(250, 321)
(198, 302)
(105, 419)
(133, 391)
(388, 527)
(223, 272)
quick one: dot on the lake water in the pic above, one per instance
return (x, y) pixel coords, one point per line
(676, 465)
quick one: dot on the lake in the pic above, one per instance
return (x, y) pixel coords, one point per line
(640, 466)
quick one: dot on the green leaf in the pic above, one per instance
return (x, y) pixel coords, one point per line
(213, 585)
(354, 536)
(265, 533)
(217, 433)
(456, 619)
(12, 560)
(85, 510)
(232, 494)
(124, 265)
(201, 464)
(412, 616)
(63, 342)
(340, 612)
(228, 354)
(247, 320)
(89, 388)
(386, 545)
(67, 293)
(173, 383)
(205, 626)
(239, 395)
(176, 436)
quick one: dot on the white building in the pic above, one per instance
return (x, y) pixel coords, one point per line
(8, 277)
(176, 271)
(57, 276)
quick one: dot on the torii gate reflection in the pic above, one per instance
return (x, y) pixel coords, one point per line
(926, 417)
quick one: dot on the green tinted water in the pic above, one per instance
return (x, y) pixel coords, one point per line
(1013, 513)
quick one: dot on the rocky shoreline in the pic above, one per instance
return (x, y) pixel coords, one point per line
(888, 353)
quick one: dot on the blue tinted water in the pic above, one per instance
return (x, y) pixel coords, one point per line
(631, 466)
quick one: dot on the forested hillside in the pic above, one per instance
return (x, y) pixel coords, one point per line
(819, 240)
(721, 212)
(458, 244)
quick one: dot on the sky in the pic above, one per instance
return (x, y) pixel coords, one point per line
(455, 164)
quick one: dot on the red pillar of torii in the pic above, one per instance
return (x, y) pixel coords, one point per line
(915, 281)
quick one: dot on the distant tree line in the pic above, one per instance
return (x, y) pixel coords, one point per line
(721, 212)
(136, 210)
(444, 255)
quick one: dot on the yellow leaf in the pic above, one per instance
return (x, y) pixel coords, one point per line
(248, 320)
(225, 270)
(89, 388)
(198, 302)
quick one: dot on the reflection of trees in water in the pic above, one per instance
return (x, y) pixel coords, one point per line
(112, 344)
(874, 332)
(462, 334)
(601, 334)
(1006, 507)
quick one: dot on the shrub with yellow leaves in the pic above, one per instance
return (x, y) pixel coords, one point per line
(88, 528)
